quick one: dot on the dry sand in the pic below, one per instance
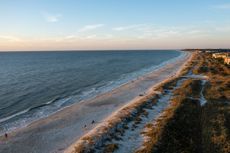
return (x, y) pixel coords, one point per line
(58, 131)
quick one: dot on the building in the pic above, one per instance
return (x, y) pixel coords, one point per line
(227, 60)
(225, 56)
(219, 55)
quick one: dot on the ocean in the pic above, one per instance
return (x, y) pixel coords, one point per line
(34, 85)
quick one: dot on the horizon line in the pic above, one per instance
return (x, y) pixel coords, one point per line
(78, 50)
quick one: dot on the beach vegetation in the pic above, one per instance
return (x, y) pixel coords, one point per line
(110, 148)
(186, 126)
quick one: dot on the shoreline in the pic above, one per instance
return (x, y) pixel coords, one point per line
(69, 119)
(97, 135)
(107, 88)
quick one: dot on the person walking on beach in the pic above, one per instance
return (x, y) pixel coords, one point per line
(92, 122)
(6, 135)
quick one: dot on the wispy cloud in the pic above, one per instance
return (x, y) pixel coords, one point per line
(152, 31)
(91, 27)
(98, 37)
(129, 27)
(71, 37)
(68, 38)
(91, 37)
(51, 17)
(9, 38)
(222, 6)
(223, 29)
(75, 38)
(145, 31)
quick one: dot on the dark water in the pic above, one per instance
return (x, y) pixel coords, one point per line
(37, 84)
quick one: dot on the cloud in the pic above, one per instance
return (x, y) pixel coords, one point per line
(223, 29)
(68, 38)
(76, 38)
(98, 37)
(91, 37)
(91, 27)
(222, 6)
(51, 17)
(146, 31)
(129, 27)
(153, 32)
(194, 32)
(9, 38)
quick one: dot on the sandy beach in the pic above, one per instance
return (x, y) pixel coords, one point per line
(62, 129)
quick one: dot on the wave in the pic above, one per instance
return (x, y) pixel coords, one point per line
(56, 100)
(14, 115)
(126, 78)
(45, 104)
(25, 117)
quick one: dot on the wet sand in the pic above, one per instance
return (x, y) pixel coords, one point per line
(58, 131)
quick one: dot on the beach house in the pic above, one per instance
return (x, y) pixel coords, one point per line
(227, 60)
(219, 55)
(225, 56)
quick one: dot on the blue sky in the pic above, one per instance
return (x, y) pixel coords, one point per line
(113, 24)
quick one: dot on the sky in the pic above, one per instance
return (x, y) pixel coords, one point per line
(113, 24)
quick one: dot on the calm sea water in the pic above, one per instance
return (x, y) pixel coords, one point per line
(36, 84)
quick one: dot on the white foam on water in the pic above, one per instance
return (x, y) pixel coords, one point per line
(30, 115)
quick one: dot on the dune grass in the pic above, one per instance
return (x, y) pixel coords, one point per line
(170, 132)
(185, 126)
(188, 127)
(216, 113)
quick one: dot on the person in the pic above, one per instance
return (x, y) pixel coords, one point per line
(92, 122)
(6, 135)
(85, 126)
